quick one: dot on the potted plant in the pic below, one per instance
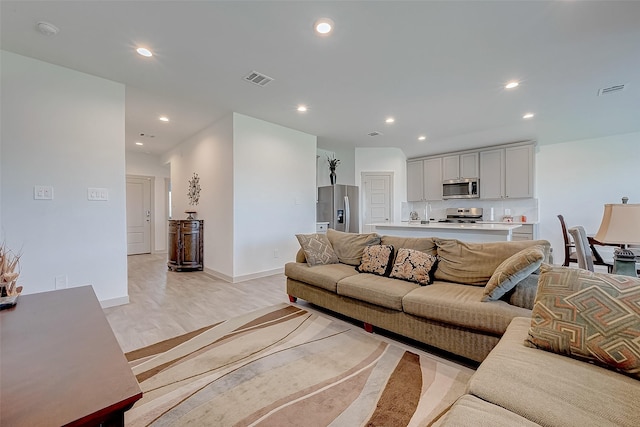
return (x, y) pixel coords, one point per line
(333, 163)
(9, 272)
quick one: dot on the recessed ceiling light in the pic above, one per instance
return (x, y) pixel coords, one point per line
(144, 52)
(139, 143)
(164, 119)
(511, 85)
(528, 116)
(302, 108)
(422, 138)
(323, 26)
(390, 120)
(47, 28)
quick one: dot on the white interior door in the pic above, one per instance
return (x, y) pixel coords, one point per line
(377, 199)
(138, 216)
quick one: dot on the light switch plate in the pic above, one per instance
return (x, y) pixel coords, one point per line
(97, 194)
(42, 192)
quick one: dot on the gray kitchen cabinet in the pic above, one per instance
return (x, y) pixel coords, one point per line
(507, 173)
(424, 180)
(415, 181)
(519, 174)
(433, 179)
(460, 166)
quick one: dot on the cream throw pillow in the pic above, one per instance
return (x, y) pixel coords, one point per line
(512, 271)
(350, 246)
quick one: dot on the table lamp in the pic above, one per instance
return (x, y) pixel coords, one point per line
(621, 225)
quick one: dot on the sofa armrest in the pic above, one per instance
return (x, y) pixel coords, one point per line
(524, 294)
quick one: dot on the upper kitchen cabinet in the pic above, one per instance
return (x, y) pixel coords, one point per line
(424, 180)
(507, 172)
(415, 180)
(460, 166)
(519, 165)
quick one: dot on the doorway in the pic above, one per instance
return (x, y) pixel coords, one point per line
(377, 199)
(139, 217)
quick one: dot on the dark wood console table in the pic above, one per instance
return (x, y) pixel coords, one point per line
(186, 244)
(60, 363)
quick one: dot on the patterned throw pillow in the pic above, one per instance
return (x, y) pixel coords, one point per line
(317, 249)
(588, 316)
(413, 266)
(512, 271)
(376, 259)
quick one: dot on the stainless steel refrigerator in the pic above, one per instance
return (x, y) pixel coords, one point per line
(339, 206)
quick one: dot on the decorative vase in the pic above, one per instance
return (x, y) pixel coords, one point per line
(332, 176)
(192, 214)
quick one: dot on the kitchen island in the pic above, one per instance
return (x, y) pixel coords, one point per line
(467, 232)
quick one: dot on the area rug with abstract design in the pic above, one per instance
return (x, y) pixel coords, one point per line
(284, 366)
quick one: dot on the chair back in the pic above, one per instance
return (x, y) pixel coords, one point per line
(583, 250)
(567, 242)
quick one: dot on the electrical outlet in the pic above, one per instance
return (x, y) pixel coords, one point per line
(276, 254)
(42, 192)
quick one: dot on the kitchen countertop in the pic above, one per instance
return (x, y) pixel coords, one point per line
(469, 232)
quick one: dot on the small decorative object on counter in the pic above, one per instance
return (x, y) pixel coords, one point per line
(9, 263)
(523, 218)
(333, 163)
(507, 218)
(193, 192)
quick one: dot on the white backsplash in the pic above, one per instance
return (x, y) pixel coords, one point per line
(437, 210)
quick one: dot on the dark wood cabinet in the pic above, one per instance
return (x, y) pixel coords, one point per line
(186, 244)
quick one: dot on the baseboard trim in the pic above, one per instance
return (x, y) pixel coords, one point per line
(114, 302)
(243, 278)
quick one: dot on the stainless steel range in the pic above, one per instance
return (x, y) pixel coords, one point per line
(463, 215)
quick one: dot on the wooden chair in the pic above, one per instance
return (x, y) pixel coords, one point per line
(569, 254)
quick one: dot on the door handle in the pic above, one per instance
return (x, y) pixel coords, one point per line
(148, 213)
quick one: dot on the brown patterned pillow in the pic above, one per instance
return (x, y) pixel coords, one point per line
(512, 271)
(317, 249)
(413, 266)
(376, 259)
(589, 316)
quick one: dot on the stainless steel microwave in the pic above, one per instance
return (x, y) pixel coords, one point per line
(460, 188)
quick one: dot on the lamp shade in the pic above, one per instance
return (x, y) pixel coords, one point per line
(620, 224)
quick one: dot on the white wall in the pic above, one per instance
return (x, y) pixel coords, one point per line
(209, 153)
(142, 164)
(274, 182)
(577, 178)
(384, 160)
(64, 129)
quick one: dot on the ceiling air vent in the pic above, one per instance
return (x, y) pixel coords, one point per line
(610, 89)
(258, 78)
(374, 133)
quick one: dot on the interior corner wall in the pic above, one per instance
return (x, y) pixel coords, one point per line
(274, 175)
(143, 164)
(577, 178)
(64, 129)
(384, 160)
(209, 153)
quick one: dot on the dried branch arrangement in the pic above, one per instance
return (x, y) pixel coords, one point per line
(9, 272)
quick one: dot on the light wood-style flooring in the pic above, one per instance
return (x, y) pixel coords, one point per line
(164, 304)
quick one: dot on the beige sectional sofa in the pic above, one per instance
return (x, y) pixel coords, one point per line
(585, 371)
(446, 314)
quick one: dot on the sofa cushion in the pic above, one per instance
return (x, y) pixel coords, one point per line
(322, 276)
(589, 316)
(511, 271)
(317, 249)
(553, 390)
(422, 244)
(461, 305)
(474, 263)
(471, 411)
(377, 290)
(413, 266)
(349, 246)
(376, 259)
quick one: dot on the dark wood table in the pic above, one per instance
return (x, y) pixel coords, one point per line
(60, 363)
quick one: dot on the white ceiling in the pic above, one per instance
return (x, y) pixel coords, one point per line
(438, 67)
